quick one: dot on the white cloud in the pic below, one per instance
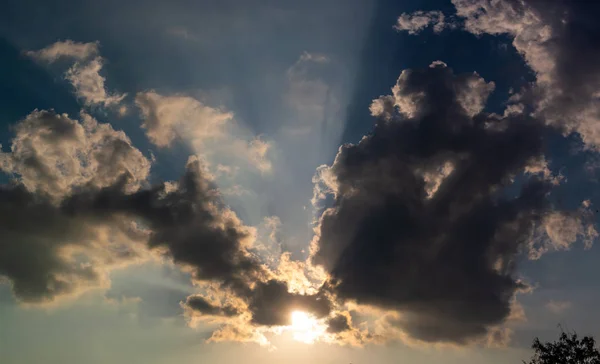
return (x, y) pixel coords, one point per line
(210, 132)
(89, 84)
(84, 74)
(68, 49)
(256, 151)
(474, 96)
(166, 117)
(539, 166)
(54, 154)
(433, 179)
(558, 307)
(558, 231)
(415, 22)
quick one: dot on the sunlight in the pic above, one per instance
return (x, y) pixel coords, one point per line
(306, 328)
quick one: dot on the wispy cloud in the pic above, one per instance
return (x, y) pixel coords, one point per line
(84, 74)
(558, 307)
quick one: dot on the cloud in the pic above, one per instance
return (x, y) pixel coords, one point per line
(45, 252)
(559, 230)
(53, 155)
(47, 255)
(415, 22)
(84, 74)
(558, 307)
(186, 222)
(338, 323)
(66, 49)
(209, 131)
(471, 93)
(189, 222)
(310, 97)
(166, 117)
(443, 258)
(79, 206)
(255, 152)
(426, 221)
(89, 84)
(201, 305)
(271, 304)
(557, 40)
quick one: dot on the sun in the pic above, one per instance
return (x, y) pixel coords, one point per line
(301, 321)
(306, 328)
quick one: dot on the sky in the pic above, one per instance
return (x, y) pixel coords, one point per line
(297, 181)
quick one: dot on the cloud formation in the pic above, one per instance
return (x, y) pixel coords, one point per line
(444, 258)
(202, 306)
(272, 304)
(84, 74)
(67, 49)
(53, 155)
(430, 210)
(45, 252)
(209, 131)
(559, 230)
(166, 117)
(558, 307)
(558, 41)
(415, 22)
(79, 206)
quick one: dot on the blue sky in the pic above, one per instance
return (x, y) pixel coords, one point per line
(260, 95)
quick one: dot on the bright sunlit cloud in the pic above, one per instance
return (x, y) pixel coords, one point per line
(306, 328)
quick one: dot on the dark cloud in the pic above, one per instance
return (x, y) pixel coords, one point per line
(445, 258)
(80, 185)
(75, 211)
(337, 324)
(39, 242)
(201, 305)
(187, 220)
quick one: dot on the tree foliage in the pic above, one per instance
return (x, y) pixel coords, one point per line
(569, 349)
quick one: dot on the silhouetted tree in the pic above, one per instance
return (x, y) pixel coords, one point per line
(569, 349)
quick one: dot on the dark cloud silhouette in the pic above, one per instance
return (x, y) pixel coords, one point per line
(31, 233)
(46, 253)
(186, 220)
(76, 211)
(427, 218)
(76, 179)
(337, 324)
(443, 256)
(201, 305)
(203, 235)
